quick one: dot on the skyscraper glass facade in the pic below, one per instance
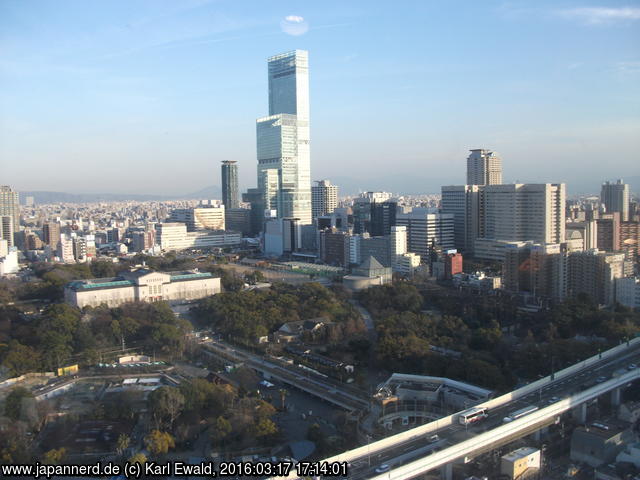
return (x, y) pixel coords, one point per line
(230, 184)
(283, 137)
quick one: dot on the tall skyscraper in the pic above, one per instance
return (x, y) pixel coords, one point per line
(230, 184)
(484, 167)
(10, 205)
(283, 136)
(324, 198)
(522, 212)
(463, 201)
(615, 197)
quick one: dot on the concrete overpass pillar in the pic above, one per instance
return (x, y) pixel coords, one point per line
(446, 472)
(580, 413)
(537, 435)
(615, 397)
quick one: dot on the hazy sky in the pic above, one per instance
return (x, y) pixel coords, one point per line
(148, 96)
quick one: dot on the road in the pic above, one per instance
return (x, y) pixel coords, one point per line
(555, 391)
(333, 391)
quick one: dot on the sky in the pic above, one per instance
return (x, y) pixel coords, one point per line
(148, 96)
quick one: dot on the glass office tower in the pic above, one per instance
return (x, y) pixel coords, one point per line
(283, 136)
(230, 184)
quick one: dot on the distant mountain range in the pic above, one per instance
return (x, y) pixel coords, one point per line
(41, 197)
(398, 184)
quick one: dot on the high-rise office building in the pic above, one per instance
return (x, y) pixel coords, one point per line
(463, 201)
(608, 232)
(230, 184)
(426, 228)
(522, 212)
(362, 209)
(615, 197)
(324, 198)
(283, 136)
(383, 217)
(10, 205)
(238, 220)
(484, 167)
(254, 197)
(334, 247)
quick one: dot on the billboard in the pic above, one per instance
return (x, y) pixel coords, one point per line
(70, 370)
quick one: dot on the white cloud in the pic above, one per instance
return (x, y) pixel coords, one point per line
(294, 25)
(602, 15)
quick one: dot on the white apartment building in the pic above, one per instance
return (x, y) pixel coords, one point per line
(141, 285)
(324, 198)
(65, 249)
(200, 218)
(174, 236)
(484, 167)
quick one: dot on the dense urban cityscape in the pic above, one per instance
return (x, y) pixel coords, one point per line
(490, 330)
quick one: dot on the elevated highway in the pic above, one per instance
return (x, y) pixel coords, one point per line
(416, 451)
(505, 433)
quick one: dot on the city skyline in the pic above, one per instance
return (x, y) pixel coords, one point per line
(142, 89)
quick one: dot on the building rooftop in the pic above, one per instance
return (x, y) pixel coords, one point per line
(99, 284)
(519, 453)
(121, 281)
(604, 429)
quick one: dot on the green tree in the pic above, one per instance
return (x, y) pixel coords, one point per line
(203, 397)
(220, 429)
(266, 427)
(21, 359)
(14, 405)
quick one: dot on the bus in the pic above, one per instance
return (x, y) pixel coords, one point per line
(519, 413)
(473, 415)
